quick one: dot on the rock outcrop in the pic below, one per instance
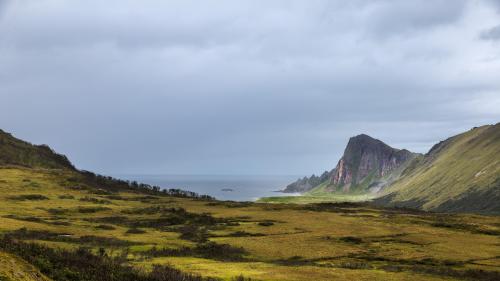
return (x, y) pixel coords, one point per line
(368, 163)
(307, 183)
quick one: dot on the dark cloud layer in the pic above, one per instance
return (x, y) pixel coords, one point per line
(492, 33)
(245, 87)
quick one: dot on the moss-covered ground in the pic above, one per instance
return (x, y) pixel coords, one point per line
(262, 241)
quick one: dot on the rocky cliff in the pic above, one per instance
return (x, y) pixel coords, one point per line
(368, 164)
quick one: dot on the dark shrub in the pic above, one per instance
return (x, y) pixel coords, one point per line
(245, 234)
(65, 223)
(193, 233)
(105, 227)
(208, 250)
(351, 239)
(58, 211)
(28, 197)
(240, 278)
(265, 223)
(135, 231)
(86, 210)
(26, 234)
(83, 265)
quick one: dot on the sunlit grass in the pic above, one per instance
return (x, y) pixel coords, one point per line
(295, 233)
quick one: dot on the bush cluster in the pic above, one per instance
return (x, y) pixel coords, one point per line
(83, 265)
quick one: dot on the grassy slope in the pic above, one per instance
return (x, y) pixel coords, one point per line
(304, 243)
(17, 152)
(462, 175)
(319, 194)
(15, 269)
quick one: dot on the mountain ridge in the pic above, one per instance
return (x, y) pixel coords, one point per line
(367, 163)
(458, 174)
(365, 157)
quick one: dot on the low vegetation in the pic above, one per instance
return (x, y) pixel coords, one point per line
(208, 250)
(83, 265)
(152, 235)
(25, 197)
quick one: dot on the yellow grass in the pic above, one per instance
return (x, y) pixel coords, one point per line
(297, 233)
(15, 269)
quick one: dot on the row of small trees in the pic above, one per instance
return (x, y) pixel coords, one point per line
(115, 185)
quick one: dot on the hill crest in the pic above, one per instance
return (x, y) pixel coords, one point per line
(459, 174)
(16, 152)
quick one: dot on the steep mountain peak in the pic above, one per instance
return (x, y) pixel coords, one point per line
(367, 163)
(362, 137)
(366, 140)
(361, 143)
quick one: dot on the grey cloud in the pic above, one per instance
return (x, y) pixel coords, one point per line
(491, 34)
(3, 7)
(405, 18)
(496, 4)
(239, 86)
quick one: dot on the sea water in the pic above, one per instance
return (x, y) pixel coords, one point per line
(222, 187)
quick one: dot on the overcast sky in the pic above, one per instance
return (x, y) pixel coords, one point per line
(243, 87)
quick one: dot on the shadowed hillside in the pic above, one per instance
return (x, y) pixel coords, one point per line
(460, 174)
(17, 152)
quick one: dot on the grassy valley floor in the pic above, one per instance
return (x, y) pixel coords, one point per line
(261, 241)
(318, 195)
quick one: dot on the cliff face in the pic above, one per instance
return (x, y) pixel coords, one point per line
(368, 163)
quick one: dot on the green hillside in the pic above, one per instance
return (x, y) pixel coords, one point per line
(460, 174)
(17, 152)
